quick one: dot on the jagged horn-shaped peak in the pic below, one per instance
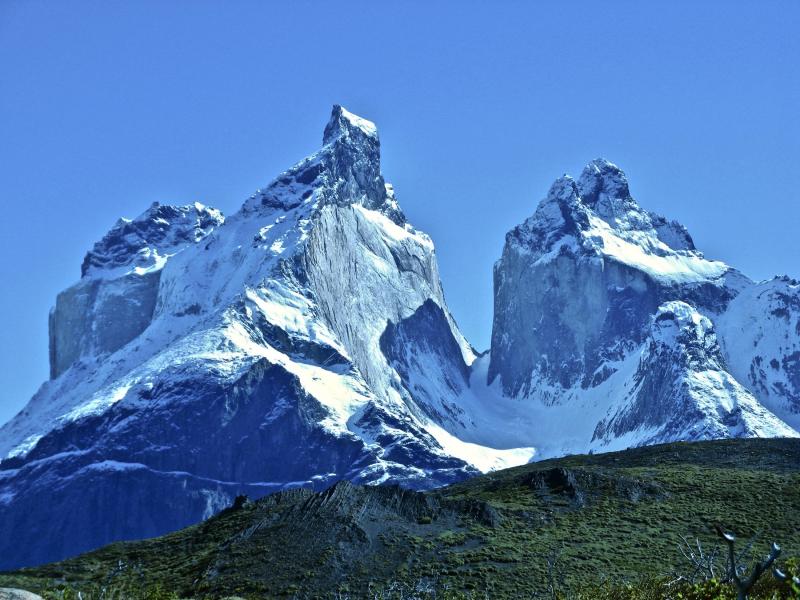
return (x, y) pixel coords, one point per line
(602, 177)
(346, 171)
(354, 163)
(560, 213)
(344, 123)
(564, 189)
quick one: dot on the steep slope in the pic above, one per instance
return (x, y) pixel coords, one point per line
(585, 273)
(760, 334)
(255, 362)
(681, 390)
(112, 304)
(604, 517)
(603, 327)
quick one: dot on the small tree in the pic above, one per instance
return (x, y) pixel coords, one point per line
(737, 571)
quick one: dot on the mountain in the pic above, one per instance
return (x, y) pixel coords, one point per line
(613, 517)
(306, 340)
(199, 358)
(616, 331)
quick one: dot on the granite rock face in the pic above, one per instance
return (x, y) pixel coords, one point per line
(607, 311)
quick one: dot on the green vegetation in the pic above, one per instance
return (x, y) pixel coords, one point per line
(602, 526)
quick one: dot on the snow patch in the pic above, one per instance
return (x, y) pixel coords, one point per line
(651, 255)
(367, 127)
(483, 458)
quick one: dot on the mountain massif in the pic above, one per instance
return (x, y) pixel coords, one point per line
(306, 340)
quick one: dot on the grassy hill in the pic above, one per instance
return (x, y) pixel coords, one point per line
(582, 519)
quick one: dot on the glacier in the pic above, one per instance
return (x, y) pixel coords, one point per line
(306, 339)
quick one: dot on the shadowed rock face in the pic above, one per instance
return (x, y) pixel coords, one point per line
(563, 306)
(96, 317)
(564, 317)
(139, 473)
(423, 351)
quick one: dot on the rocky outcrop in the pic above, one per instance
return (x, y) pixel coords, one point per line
(681, 389)
(115, 299)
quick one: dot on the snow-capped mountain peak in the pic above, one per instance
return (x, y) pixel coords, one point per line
(591, 283)
(604, 187)
(343, 123)
(256, 353)
(597, 216)
(306, 339)
(145, 241)
(346, 171)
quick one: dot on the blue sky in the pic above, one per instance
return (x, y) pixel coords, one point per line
(106, 107)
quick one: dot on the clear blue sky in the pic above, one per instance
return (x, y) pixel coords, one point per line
(108, 106)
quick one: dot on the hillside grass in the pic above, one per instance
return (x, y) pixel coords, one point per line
(617, 537)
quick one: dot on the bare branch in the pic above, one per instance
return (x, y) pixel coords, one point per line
(743, 587)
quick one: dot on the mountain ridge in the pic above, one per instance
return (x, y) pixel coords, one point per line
(306, 339)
